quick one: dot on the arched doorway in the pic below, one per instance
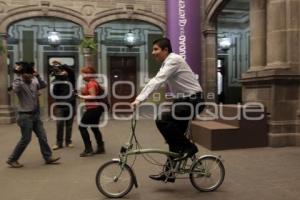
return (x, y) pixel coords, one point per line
(233, 50)
(128, 67)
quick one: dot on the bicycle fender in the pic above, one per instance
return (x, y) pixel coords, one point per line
(134, 176)
(211, 156)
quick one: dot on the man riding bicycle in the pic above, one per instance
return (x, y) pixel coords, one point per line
(187, 102)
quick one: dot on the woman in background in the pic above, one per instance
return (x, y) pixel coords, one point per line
(94, 109)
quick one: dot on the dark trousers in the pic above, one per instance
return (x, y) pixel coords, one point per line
(173, 124)
(28, 123)
(91, 117)
(61, 125)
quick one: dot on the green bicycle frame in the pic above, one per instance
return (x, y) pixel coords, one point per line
(126, 151)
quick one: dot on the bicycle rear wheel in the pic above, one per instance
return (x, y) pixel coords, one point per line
(113, 180)
(207, 173)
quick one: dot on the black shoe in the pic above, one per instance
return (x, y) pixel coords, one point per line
(192, 150)
(100, 148)
(86, 153)
(52, 160)
(99, 151)
(162, 177)
(188, 152)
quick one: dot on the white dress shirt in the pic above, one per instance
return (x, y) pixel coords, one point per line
(176, 72)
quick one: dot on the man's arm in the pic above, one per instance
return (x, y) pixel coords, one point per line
(162, 76)
(17, 82)
(41, 83)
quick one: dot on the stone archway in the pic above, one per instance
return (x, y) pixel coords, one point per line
(213, 9)
(7, 114)
(129, 13)
(209, 73)
(36, 11)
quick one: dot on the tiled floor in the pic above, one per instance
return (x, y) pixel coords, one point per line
(258, 173)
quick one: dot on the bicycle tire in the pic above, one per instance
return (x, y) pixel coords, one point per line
(113, 191)
(201, 173)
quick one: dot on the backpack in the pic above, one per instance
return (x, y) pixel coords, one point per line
(103, 99)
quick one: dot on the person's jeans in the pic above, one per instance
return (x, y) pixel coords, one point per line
(64, 112)
(27, 124)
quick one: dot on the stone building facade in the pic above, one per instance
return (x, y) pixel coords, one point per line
(87, 14)
(273, 76)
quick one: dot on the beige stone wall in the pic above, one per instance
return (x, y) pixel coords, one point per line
(87, 6)
(274, 75)
(6, 111)
(87, 13)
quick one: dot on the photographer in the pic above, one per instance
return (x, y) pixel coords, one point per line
(63, 94)
(26, 85)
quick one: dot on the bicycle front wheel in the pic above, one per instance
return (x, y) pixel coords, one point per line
(114, 180)
(207, 173)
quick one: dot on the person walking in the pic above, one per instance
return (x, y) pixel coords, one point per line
(26, 85)
(94, 106)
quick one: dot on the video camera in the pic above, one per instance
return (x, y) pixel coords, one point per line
(56, 68)
(60, 70)
(24, 68)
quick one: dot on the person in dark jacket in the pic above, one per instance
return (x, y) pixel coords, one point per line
(62, 88)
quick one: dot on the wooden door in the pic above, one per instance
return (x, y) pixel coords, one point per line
(122, 80)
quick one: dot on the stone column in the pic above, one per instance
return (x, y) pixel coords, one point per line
(7, 114)
(88, 55)
(276, 34)
(258, 35)
(293, 35)
(210, 86)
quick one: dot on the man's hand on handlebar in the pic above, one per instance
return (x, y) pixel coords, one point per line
(135, 103)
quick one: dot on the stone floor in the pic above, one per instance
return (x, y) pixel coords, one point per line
(258, 173)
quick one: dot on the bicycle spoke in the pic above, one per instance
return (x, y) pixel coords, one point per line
(114, 181)
(108, 179)
(207, 174)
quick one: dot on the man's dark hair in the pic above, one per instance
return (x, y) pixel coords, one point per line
(164, 43)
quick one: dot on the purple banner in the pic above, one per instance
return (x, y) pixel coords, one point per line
(183, 29)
